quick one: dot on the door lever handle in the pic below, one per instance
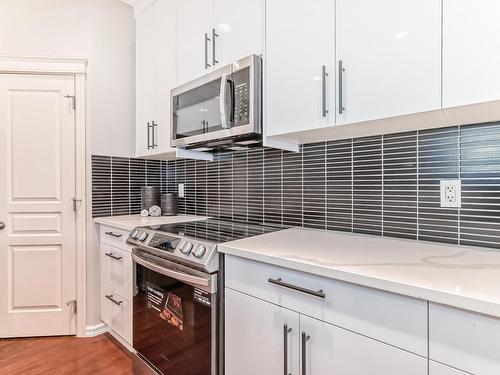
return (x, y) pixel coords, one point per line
(2, 225)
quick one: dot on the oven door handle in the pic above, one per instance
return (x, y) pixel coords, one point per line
(178, 275)
(226, 122)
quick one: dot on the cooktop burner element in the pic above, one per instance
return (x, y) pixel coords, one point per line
(193, 243)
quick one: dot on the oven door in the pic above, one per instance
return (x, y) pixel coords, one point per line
(175, 317)
(222, 104)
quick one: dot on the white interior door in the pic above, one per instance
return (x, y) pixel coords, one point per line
(37, 184)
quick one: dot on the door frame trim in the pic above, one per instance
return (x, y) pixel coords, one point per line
(76, 68)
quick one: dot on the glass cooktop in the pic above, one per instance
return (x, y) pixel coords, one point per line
(217, 231)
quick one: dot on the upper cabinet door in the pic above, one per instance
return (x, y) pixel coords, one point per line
(391, 55)
(239, 27)
(471, 51)
(299, 66)
(194, 20)
(165, 72)
(145, 79)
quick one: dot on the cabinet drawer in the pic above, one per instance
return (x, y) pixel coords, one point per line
(464, 340)
(394, 319)
(118, 314)
(116, 269)
(114, 237)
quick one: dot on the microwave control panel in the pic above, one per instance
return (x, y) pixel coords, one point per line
(241, 97)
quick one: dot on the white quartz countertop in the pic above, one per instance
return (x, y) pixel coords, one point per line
(128, 222)
(459, 276)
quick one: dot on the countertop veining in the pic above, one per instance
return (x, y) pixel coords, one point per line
(463, 277)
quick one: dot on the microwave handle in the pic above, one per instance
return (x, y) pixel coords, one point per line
(226, 122)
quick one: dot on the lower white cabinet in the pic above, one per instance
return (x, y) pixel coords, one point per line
(116, 283)
(255, 336)
(263, 338)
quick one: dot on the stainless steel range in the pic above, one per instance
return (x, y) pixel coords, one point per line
(178, 298)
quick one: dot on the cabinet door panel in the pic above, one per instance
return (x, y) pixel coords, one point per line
(145, 78)
(300, 40)
(439, 369)
(254, 341)
(471, 51)
(194, 19)
(165, 71)
(333, 350)
(391, 53)
(240, 26)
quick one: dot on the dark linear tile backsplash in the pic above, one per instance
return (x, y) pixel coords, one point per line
(384, 185)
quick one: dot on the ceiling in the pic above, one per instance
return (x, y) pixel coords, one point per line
(130, 2)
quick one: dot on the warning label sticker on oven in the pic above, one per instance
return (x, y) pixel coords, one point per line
(202, 297)
(168, 304)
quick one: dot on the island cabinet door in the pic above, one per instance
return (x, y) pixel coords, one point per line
(326, 349)
(260, 338)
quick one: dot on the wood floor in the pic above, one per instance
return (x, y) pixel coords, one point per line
(64, 355)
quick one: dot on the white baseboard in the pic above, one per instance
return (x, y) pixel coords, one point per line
(97, 330)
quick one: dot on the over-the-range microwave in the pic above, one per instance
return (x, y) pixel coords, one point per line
(221, 110)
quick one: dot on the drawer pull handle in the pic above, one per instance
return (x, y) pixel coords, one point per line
(113, 234)
(110, 297)
(111, 255)
(314, 293)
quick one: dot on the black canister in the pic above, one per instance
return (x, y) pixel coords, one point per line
(169, 204)
(150, 196)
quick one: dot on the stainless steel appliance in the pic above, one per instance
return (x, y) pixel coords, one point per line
(221, 110)
(178, 297)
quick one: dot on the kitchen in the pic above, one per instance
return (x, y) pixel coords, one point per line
(249, 187)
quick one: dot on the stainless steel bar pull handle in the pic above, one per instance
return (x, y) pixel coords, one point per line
(111, 255)
(111, 298)
(153, 127)
(214, 36)
(305, 338)
(113, 234)
(297, 288)
(324, 107)
(2, 225)
(286, 332)
(149, 136)
(341, 87)
(207, 39)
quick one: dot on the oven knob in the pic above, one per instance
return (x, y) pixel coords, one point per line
(142, 236)
(186, 249)
(134, 233)
(199, 251)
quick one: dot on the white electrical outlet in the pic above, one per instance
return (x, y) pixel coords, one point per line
(451, 193)
(181, 190)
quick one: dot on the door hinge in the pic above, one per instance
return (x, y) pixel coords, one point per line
(73, 100)
(73, 303)
(76, 203)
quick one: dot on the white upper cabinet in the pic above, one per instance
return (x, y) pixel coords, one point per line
(390, 53)
(214, 33)
(299, 66)
(471, 52)
(145, 80)
(156, 75)
(239, 26)
(194, 19)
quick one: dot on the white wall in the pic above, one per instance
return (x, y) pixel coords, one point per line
(103, 32)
